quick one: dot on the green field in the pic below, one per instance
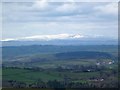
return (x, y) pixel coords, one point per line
(30, 76)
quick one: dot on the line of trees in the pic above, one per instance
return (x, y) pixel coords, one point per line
(57, 84)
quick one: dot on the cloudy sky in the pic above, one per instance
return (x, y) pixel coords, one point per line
(40, 18)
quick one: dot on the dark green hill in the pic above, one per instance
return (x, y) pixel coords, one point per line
(84, 55)
(14, 51)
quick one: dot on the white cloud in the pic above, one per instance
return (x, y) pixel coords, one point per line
(66, 8)
(63, 0)
(48, 8)
(0, 20)
(85, 0)
(111, 8)
(32, 21)
(40, 4)
(54, 28)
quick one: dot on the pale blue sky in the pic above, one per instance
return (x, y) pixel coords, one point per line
(42, 18)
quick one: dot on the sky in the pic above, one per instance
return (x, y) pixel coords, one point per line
(40, 18)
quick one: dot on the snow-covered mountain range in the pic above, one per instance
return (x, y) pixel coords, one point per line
(59, 39)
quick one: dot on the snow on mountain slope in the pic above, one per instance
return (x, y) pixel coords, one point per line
(46, 37)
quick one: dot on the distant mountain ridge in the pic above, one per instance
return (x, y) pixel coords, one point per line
(46, 37)
(14, 51)
(60, 39)
(61, 42)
